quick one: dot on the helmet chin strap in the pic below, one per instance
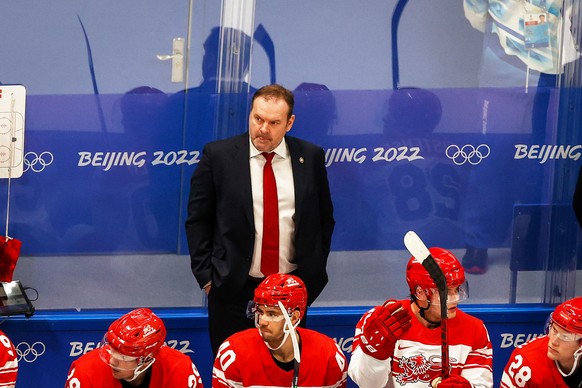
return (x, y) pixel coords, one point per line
(289, 328)
(577, 354)
(421, 311)
(280, 345)
(140, 369)
(432, 324)
(266, 343)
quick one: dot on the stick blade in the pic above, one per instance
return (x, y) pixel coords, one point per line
(416, 247)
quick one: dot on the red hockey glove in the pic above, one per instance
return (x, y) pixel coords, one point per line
(9, 253)
(454, 381)
(383, 328)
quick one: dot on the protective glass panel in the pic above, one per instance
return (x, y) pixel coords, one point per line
(433, 119)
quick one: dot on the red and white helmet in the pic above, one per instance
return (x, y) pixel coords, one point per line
(417, 275)
(284, 288)
(137, 335)
(569, 315)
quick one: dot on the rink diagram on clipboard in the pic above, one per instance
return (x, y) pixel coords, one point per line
(12, 106)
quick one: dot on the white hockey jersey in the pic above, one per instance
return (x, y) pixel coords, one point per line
(417, 355)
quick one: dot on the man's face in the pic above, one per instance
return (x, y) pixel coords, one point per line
(122, 367)
(434, 312)
(562, 345)
(268, 123)
(271, 323)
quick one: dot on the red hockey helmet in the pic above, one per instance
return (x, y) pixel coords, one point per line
(284, 288)
(139, 333)
(569, 315)
(417, 275)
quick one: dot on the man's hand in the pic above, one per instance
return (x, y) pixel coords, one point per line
(454, 381)
(383, 328)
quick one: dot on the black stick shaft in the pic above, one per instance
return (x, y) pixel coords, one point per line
(438, 276)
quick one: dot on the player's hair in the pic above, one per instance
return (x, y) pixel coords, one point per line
(276, 91)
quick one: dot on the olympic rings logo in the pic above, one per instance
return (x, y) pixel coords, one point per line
(37, 163)
(467, 153)
(28, 352)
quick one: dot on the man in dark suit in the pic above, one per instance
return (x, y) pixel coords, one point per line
(577, 199)
(225, 209)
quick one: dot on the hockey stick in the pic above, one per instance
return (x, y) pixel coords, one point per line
(262, 36)
(421, 253)
(93, 78)
(296, 353)
(395, 63)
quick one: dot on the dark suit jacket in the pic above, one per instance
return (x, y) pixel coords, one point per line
(577, 199)
(220, 225)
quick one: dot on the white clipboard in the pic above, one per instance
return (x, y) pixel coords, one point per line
(12, 113)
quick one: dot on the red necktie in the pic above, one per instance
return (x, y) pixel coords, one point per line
(270, 247)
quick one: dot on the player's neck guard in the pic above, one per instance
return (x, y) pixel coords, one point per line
(141, 369)
(575, 366)
(288, 328)
(421, 310)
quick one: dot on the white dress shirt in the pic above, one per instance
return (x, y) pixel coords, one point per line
(286, 195)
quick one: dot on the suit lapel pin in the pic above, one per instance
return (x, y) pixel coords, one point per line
(301, 160)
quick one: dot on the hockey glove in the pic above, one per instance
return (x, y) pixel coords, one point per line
(9, 253)
(383, 328)
(454, 381)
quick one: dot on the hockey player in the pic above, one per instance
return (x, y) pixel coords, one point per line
(133, 354)
(8, 362)
(552, 360)
(279, 354)
(398, 344)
